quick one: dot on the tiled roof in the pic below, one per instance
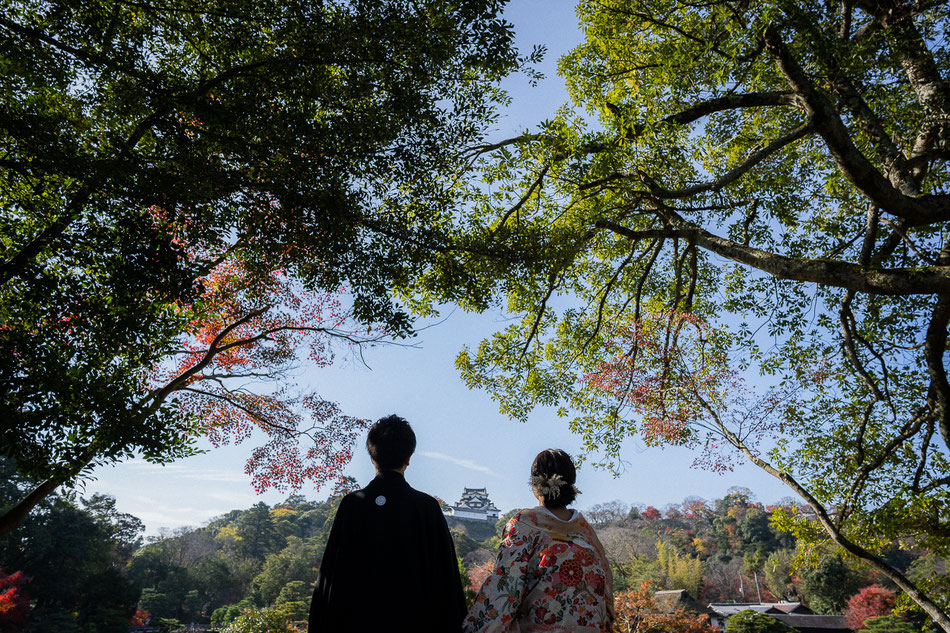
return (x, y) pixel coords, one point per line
(670, 600)
(794, 614)
(731, 608)
(811, 621)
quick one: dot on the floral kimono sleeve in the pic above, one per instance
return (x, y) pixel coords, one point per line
(496, 606)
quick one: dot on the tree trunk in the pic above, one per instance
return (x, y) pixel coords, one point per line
(938, 615)
(15, 515)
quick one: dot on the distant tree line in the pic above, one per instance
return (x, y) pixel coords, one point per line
(78, 565)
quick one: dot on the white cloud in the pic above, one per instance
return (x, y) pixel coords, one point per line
(464, 463)
(226, 476)
(160, 516)
(234, 499)
(191, 472)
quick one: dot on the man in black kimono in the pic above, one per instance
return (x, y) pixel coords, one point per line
(390, 564)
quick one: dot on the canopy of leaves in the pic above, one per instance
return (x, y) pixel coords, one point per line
(146, 145)
(260, 556)
(889, 624)
(260, 621)
(830, 585)
(764, 189)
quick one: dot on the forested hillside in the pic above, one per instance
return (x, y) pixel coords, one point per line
(79, 565)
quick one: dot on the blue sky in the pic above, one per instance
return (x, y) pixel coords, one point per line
(462, 439)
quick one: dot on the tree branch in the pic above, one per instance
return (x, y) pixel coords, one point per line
(921, 69)
(605, 294)
(524, 199)
(260, 419)
(539, 313)
(910, 429)
(849, 159)
(884, 281)
(736, 172)
(86, 56)
(834, 532)
(19, 511)
(156, 397)
(934, 349)
(693, 113)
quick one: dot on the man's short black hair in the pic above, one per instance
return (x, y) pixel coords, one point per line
(390, 442)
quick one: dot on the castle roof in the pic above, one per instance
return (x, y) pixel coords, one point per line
(475, 500)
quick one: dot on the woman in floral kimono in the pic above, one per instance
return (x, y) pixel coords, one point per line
(551, 574)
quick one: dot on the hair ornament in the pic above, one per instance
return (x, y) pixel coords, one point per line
(550, 485)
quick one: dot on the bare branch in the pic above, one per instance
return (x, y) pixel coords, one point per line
(718, 104)
(89, 57)
(657, 245)
(846, 10)
(158, 396)
(898, 230)
(910, 429)
(539, 313)
(922, 464)
(260, 419)
(487, 148)
(734, 102)
(690, 114)
(896, 166)
(700, 39)
(15, 514)
(936, 483)
(921, 69)
(606, 293)
(753, 159)
(934, 349)
(524, 199)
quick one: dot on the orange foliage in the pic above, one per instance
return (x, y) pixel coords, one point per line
(140, 618)
(648, 372)
(637, 612)
(478, 574)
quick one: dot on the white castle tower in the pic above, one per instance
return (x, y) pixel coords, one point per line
(474, 504)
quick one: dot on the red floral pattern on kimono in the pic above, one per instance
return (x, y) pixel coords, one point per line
(550, 576)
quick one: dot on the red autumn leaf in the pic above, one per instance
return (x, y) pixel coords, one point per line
(479, 573)
(233, 374)
(140, 618)
(672, 372)
(870, 602)
(14, 603)
(651, 513)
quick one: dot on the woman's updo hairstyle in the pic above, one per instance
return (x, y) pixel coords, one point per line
(552, 478)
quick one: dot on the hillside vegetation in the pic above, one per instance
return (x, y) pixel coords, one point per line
(90, 570)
